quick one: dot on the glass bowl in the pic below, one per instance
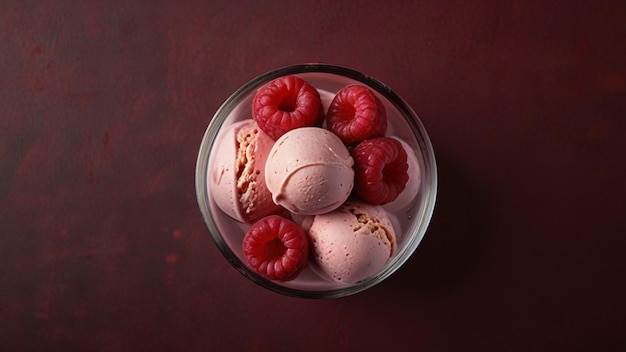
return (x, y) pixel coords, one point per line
(410, 222)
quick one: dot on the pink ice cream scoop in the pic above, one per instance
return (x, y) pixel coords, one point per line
(309, 171)
(352, 242)
(237, 180)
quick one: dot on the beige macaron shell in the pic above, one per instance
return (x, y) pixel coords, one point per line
(244, 197)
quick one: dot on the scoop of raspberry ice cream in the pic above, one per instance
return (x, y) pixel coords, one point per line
(309, 171)
(352, 242)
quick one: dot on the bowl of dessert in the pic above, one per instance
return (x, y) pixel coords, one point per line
(316, 181)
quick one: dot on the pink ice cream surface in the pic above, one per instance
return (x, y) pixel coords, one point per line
(352, 242)
(237, 182)
(309, 171)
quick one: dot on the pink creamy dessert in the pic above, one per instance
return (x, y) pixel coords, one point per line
(306, 175)
(352, 242)
(309, 171)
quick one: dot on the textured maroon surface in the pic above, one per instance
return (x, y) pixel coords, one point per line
(103, 105)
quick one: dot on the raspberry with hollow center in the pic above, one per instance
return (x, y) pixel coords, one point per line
(381, 170)
(356, 114)
(276, 248)
(286, 103)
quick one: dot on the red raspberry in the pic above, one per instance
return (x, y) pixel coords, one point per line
(286, 103)
(380, 170)
(276, 248)
(356, 114)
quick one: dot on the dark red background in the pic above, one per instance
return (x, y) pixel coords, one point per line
(103, 105)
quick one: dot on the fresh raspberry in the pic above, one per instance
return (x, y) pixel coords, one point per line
(276, 248)
(356, 114)
(380, 170)
(286, 103)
